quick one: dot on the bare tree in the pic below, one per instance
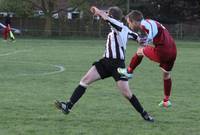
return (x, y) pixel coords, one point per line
(48, 7)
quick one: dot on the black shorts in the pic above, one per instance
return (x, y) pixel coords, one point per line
(108, 67)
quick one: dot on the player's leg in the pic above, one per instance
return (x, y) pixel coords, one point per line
(166, 65)
(135, 61)
(91, 76)
(147, 51)
(167, 84)
(12, 37)
(5, 33)
(124, 88)
(166, 61)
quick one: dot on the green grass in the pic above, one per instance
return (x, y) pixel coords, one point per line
(27, 93)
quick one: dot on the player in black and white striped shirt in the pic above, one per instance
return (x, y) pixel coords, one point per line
(114, 58)
(117, 39)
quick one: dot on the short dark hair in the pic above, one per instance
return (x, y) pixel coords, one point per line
(115, 12)
(135, 15)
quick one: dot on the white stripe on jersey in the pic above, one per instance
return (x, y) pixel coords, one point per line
(3, 26)
(151, 26)
(117, 39)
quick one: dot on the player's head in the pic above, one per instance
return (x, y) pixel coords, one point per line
(115, 12)
(134, 18)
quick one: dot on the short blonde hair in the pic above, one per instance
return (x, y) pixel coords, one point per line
(135, 15)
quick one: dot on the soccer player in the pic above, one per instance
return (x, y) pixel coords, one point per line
(114, 57)
(163, 51)
(7, 29)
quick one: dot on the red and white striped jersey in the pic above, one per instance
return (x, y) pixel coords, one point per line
(154, 31)
(117, 39)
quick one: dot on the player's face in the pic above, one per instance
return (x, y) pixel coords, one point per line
(132, 24)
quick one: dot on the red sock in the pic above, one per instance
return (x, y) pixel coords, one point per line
(167, 89)
(135, 61)
(5, 33)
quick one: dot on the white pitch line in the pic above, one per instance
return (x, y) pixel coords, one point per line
(14, 52)
(61, 68)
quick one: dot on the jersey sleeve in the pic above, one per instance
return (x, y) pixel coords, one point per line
(132, 35)
(148, 29)
(114, 23)
(1, 25)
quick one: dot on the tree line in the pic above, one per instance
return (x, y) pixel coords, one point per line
(166, 11)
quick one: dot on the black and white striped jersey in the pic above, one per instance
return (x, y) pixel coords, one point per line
(117, 40)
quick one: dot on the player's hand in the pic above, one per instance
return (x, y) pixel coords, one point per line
(99, 12)
(94, 9)
(141, 40)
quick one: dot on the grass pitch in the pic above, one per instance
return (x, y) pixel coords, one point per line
(33, 73)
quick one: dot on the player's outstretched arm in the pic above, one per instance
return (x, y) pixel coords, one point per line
(2, 25)
(99, 12)
(115, 23)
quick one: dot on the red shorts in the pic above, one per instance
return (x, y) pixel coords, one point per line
(163, 54)
(6, 32)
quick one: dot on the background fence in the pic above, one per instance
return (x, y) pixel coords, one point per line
(91, 28)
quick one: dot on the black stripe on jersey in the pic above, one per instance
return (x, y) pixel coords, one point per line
(109, 48)
(115, 26)
(117, 46)
(123, 51)
(134, 36)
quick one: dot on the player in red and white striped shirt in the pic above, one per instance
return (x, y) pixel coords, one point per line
(114, 57)
(163, 51)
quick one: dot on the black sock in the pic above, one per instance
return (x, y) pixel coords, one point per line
(77, 94)
(136, 104)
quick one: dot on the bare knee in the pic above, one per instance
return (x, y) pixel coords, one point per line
(127, 94)
(166, 75)
(85, 81)
(140, 51)
(124, 88)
